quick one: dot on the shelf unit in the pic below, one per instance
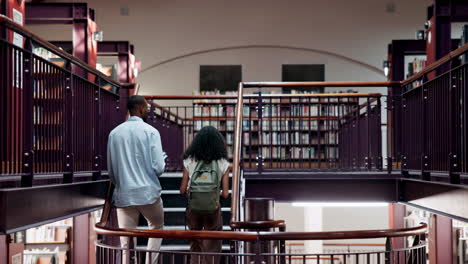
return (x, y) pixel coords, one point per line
(48, 105)
(49, 243)
(287, 130)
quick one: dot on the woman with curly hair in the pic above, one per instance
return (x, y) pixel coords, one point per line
(205, 179)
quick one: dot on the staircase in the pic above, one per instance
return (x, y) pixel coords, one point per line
(174, 214)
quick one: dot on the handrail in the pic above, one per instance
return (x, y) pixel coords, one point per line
(236, 161)
(162, 109)
(362, 234)
(259, 224)
(7, 22)
(247, 96)
(431, 67)
(253, 236)
(319, 84)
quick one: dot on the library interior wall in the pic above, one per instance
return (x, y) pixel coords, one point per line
(164, 29)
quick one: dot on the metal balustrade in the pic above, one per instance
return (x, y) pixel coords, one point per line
(258, 247)
(55, 114)
(311, 132)
(434, 120)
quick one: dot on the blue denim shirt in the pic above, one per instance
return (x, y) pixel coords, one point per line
(135, 161)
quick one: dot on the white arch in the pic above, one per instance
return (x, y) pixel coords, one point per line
(328, 53)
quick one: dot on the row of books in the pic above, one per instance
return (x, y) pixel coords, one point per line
(51, 92)
(272, 110)
(273, 125)
(272, 99)
(43, 116)
(223, 126)
(297, 138)
(219, 111)
(49, 56)
(416, 66)
(47, 143)
(44, 256)
(298, 153)
(276, 110)
(276, 125)
(48, 233)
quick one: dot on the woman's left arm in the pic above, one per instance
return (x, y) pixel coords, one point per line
(225, 184)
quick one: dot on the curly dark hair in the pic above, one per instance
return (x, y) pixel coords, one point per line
(208, 145)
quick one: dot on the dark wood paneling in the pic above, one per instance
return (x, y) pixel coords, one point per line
(28, 207)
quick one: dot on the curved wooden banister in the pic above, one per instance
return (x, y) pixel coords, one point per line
(177, 234)
(253, 236)
(362, 234)
(433, 66)
(10, 24)
(259, 224)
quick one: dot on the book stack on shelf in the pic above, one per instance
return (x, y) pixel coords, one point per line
(49, 56)
(48, 243)
(45, 256)
(415, 66)
(48, 118)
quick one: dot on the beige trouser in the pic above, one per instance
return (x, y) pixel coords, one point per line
(128, 218)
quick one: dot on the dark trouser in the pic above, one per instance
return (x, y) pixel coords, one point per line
(208, 222)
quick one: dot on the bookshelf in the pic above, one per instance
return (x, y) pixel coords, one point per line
(48, 105)
(300, 131)
(48, 244)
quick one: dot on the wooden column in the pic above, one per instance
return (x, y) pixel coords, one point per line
(397, 213)
(441, 248)
(80, 245)
(3, 249)
(438, 35)
(92, 241)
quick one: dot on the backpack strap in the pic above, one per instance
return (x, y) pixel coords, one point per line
(215, 167)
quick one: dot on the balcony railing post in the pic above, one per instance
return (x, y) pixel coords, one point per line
(26, 80)
(97, 155)
(260, 128)
(404, 149)
(454, 166)
(389, 251)
(425, 165)
(378, 141)
(368, 158)
(68, 138)
(3, 108)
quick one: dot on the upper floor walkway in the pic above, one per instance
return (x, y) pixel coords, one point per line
(55, 118)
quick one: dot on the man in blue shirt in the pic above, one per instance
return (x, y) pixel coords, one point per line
(135, 161)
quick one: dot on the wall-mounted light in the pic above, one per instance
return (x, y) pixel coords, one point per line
(386, 67)
(98, 36)
(420, 35)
